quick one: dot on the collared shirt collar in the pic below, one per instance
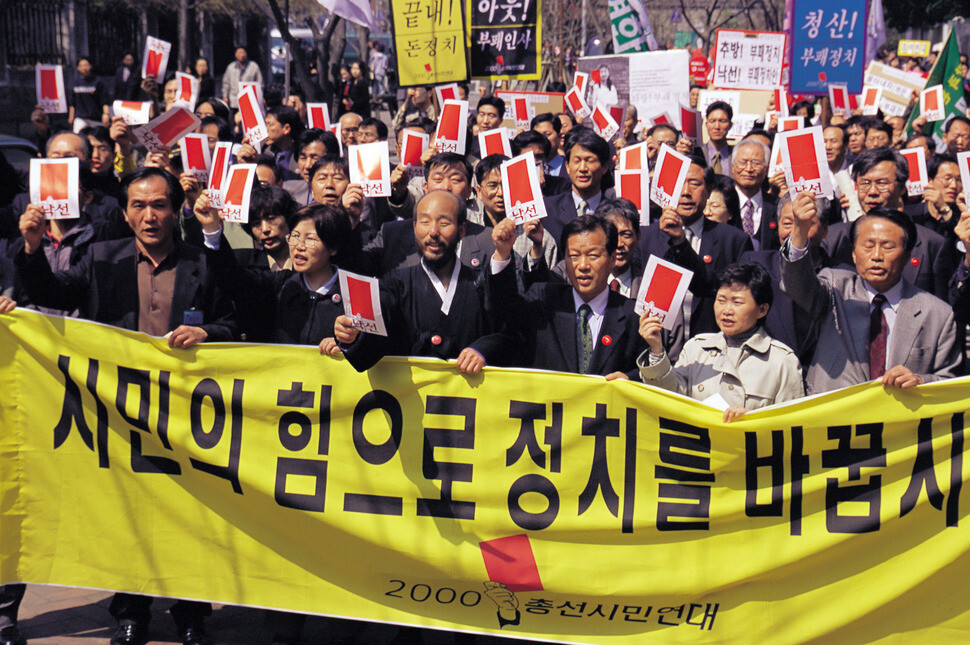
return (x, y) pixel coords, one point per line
(327, 287)
(446, 295)
(893, 295)
(597, 304)
(591, 204)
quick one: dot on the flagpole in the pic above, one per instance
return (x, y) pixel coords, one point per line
(286, 55)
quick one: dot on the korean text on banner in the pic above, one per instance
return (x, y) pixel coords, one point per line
(410, 494)
(749, 60)
(505, 38)
(828, 45)
(429, 38)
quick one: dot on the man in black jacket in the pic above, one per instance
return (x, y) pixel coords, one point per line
(152, 284)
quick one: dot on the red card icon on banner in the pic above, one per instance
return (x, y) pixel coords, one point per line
(48, 84)
(510, 561)
(53, 182)
(448, 94)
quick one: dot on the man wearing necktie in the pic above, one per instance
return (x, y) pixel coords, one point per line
(749, 167)
(588, 158)
(872, 323)
(719, 115)
(580, 326)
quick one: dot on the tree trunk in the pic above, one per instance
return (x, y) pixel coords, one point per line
(184, 43)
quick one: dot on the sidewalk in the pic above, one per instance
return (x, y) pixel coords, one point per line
(65, 616)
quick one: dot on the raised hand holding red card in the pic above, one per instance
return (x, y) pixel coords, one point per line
(918, 176)
(162, 132)
(235, 197)
(806, 167)
(54, 186)
(196, 158)
(662, 290)
(521, 189)
(668, 177)
(362, 302)
(155, 60)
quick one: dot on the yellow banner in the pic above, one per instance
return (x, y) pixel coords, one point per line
(521, 503)
(429, 38)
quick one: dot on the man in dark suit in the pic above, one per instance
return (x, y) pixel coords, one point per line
(587, 162)
(688, 239)
(880, 175)
(873, 324)
(749, 167)
(432, 307)
(717, 152)
(311, 145)
(785, 322)
(153, 284)
(581, 327)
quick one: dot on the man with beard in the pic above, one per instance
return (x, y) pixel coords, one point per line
(433, 307)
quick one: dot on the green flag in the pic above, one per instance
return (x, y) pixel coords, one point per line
(945, 72)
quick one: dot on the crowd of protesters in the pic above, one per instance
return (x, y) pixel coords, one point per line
(790, 295)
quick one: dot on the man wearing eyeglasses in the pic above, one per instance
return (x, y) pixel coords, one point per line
(880, 177)
(938, 210)
(749, 167)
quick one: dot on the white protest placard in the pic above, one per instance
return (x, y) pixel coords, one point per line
(155, 61)
(318, 115)
(50, 88)
(741, 122)
(789, 123)
(362, 302)
(931, 103)
(662, 290)
(632, 157)
(447, 92)
(187, 88)
(413, 145)
(251, 111)
(871, 100)
(918, 177)
(494, 142)
(196, 157)
(579, 81)
(806, 167)
(898, 86)
(522, 112)
(692, 125)
(577, 104)
(776, 163)
(634, 185)
(782, 100)
(603, 123)
(55, 187)
(132, 112)
(668, 177)
(258, 89)
(659, 118)
(839, 100)
(163, 131)
(522, 190)
(963, 160)
(370, 167)
(235, 195)
(221, 159)
(337, 130)
(450, 133)
(749, 60)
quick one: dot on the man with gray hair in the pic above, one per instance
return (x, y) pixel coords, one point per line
(749, 167)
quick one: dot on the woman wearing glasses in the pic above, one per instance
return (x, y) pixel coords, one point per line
(299, 305)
